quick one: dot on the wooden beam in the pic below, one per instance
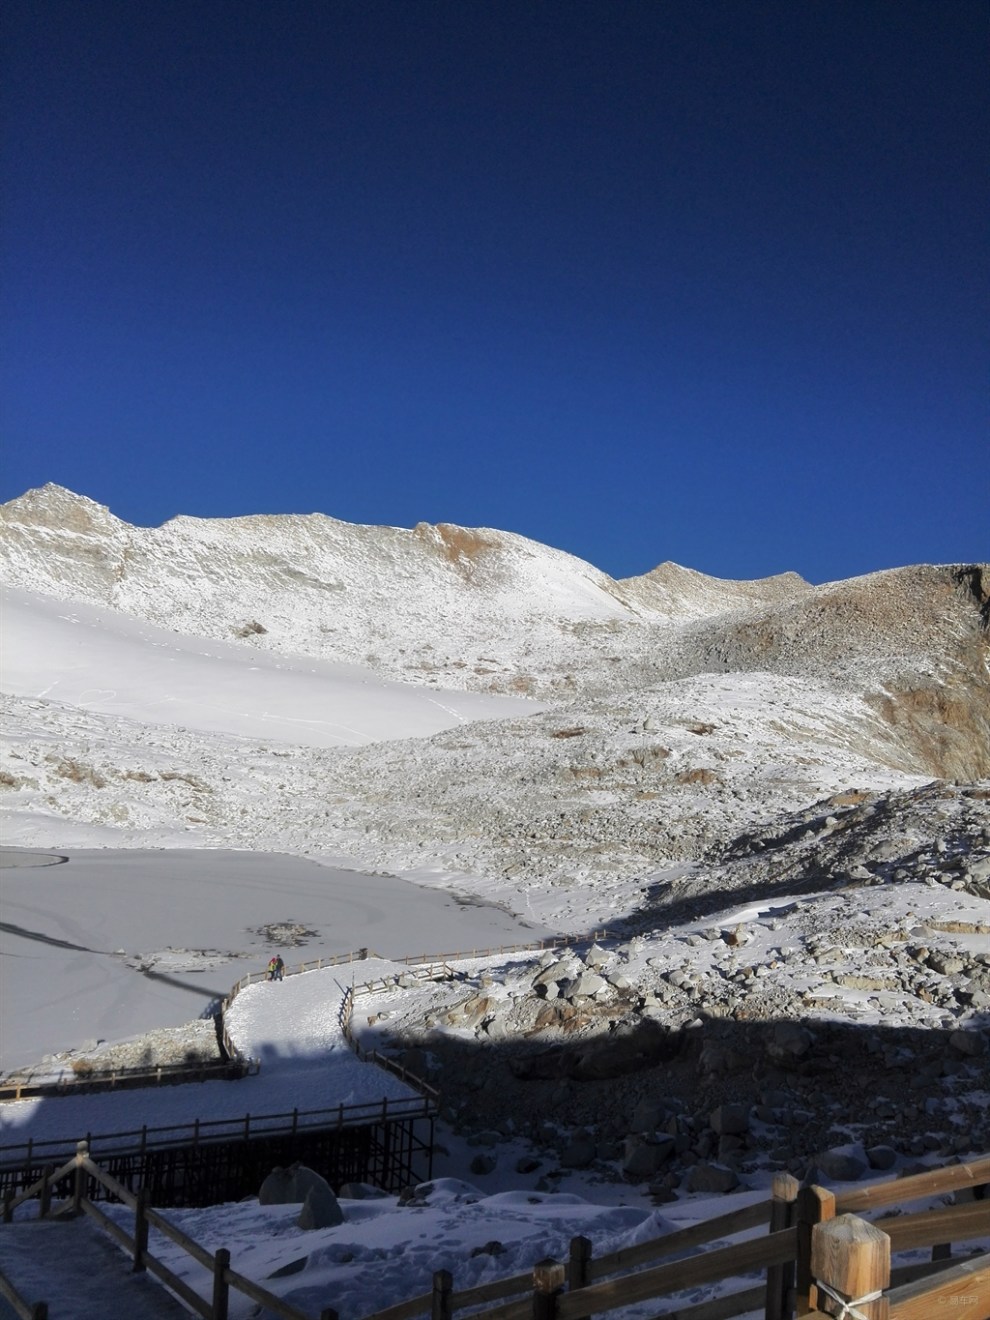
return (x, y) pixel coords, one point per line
(952, 1223)
(962, 1292)
(780, 1278)
(898, 1190)
(815, 1205)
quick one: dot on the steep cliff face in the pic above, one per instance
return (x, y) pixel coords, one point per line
(945, 716)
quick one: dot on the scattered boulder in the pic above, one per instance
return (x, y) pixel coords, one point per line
(493, 1248)
(790, 1043)
(647, 1116)
(291, 1186)
(642, 1158)
(730, 1120)
(356, 1191)
(293, 1267)
(585, 986)
(738, 936)
(579, 1153)
(882, 1158)
(971, 1043)
(840, 1166)
(711, 1178)
(320, 1209)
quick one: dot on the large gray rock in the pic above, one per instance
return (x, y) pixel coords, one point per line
(585, 986)
(971, 1043)
(790, 1042)
(840, 1166)
(291, 1186)
(564, 969)
(730, 1120)
(579, 1153)
(643, 1158)
(711, 1178)
(882, 1158)
(647, 1116)
(320, 1209)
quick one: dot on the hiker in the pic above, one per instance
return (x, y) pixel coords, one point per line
(276, 968)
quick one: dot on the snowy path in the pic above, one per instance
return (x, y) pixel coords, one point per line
(293, 1027)
(47, 1259)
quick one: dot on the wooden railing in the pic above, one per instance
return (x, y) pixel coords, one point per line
(234, 1065)
(135, 1243)
(21, 1307)
(113, 1079)
(839, 1260)
(422, 1105)
(243, 1128)
(796, 1219)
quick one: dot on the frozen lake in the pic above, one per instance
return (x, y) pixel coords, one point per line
(111, 943)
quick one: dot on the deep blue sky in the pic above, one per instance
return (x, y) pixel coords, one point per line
(702, 280)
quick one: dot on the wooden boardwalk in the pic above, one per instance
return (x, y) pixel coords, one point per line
(82, 1261)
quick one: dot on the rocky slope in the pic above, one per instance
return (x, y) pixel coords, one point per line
(736, 779)
(488, 610)
(814, 997)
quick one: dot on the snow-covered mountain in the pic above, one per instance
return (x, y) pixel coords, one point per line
(677, 710)
(213, 719)
(490, 611)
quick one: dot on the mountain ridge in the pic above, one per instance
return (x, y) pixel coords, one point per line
(494, 612)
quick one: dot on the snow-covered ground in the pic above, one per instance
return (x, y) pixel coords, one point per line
(113, 942)
(176, 808)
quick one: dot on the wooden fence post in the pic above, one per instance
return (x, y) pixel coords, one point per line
(46, 1192)
(780, 1278)
(815, 1205)
(548, 1281)
(441, 1304)
(79, 1188)
(8, 1212)
(850, 1262)
(221, 1287)
(579, 1265)
(141, 1229)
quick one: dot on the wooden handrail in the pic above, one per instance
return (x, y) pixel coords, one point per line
(964, 1283)
(23, 1309)
(949, 1178)
(125, 1078)
(222, 1129)
(759, 1253)
(961, 1292)
(36, 1187)
(81, 1162)
(736, 1221)
(179, 1286)
(951, 1223)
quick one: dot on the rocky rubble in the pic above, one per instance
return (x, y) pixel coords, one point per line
(712, 1041)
